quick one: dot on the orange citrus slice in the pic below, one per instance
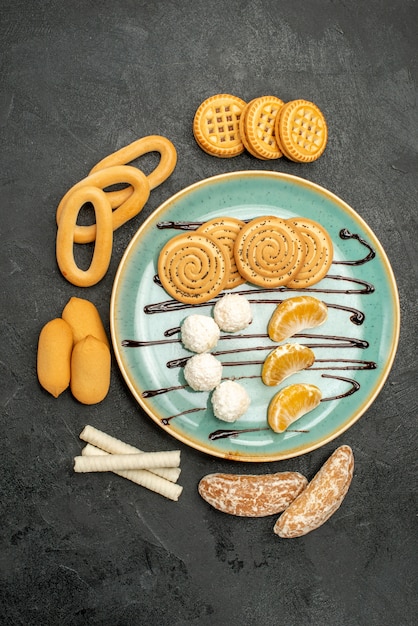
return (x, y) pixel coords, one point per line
(289, 404)
(296, 314)
(284, 361)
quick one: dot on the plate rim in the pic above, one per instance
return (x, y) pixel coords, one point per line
(270, 457)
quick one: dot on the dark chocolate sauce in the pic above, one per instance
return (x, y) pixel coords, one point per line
(346, 234)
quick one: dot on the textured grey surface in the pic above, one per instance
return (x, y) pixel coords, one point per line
(81, 79)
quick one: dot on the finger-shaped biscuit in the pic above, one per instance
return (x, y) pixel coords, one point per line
(268, 251)
(224, 230)
(54, 356)
(319, 252)
(84, 319)
(103, 234)
(251, 495)
(103, 179)
(136, 149)
(321, 498)
(90, 370)
(193, 268)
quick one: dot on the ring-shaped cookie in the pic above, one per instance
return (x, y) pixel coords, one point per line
(136, 149)
(269, 252)
(193, 268)
(105, 178)
(104, 237)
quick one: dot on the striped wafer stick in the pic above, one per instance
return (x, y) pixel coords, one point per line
(141, 477)
(110, 444)
(127, 461)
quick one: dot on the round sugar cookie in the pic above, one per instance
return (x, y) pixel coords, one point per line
(216, 125)
(193, 268)
(224, 231)
(269, 252)
(301, 131)
(260, 125)
(319, 252)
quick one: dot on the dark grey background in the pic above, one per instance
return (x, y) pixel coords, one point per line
(80, 79)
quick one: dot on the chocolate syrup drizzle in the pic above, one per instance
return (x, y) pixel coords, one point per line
(357, 317)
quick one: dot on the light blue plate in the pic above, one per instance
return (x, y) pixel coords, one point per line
(354, 349)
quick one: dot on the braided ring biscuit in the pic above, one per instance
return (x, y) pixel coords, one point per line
(301, 131)
(216, 125)
(104, 236)
(193, 268)
(136, 149)
(126, 211)
(224, 231)
(319, 252)
(260, 123)
(269, 252)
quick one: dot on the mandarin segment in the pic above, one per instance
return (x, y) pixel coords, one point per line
(284, 361)
(291, 403)
(294, 315)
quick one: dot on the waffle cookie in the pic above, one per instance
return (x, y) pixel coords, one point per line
(259, 127)
(193, 268)
(224, 230)
(319, 252)
(269, 251)
(243, 132)
(301, 131)
(216, 125)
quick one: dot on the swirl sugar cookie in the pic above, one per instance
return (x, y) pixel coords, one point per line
(269, 252)
(224, 230)
(193, 268)
(319, 252)
(216, 125)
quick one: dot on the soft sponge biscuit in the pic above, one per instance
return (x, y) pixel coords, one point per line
(54, 356)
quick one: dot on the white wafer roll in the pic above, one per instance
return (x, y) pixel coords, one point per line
(141, 477)
(106, 442)
(127, 461)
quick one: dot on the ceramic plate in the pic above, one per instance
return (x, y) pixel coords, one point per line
(354, 349)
